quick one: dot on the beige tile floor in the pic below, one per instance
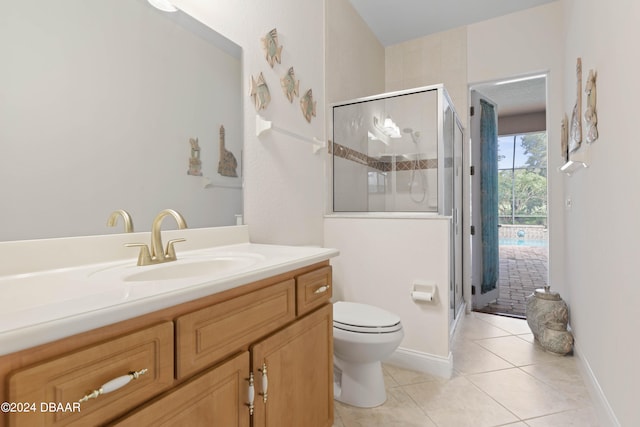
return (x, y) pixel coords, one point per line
(501, 378)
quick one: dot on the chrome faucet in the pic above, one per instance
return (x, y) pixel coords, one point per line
(157, 254)
(128, 222)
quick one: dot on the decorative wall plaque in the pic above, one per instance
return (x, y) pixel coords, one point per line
(308, 105)
(273, 52)
(260, 93)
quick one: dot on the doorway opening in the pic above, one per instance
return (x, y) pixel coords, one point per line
(521, 166)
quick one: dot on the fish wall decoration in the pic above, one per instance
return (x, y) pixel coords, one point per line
(290, 85)
(260, 93)
(273, 52)
(575, 129)
(590, 115)
(308, 105)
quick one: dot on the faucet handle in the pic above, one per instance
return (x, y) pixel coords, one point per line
(170, 253)
(144, 258)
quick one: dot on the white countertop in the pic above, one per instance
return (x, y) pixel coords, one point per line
(45, 306)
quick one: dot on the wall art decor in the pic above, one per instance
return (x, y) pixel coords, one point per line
(260, 93)
(564, 138)
(590, 115)
(273, 52)
(308, 105)
(227, 163)
(575, 132)
(195, 164)
(290, 85)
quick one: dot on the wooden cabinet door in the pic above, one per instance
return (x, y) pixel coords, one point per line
(216, 398)
(299, 366)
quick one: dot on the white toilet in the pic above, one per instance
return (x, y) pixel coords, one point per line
(363, 335)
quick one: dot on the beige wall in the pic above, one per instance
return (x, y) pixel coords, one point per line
(354, 56)
(284, 182)
(601, 226)
(434, 59)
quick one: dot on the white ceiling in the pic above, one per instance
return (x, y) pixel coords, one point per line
(517, 98)
(396, 21)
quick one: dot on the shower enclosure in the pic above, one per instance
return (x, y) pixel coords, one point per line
(395, 152)
(402, 152)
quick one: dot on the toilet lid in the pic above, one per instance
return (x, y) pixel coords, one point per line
(356, 317)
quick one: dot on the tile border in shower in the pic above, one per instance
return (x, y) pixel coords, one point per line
(347, 153)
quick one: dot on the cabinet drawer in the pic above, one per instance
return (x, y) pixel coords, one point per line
(67, 379)
(206, 336)
(313, 289)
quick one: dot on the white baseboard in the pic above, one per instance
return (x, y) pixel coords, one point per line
(422, 362)
(602, 407)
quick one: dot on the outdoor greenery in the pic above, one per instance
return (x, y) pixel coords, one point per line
(523, 190)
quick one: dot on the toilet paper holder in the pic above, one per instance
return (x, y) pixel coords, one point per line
(423, 291)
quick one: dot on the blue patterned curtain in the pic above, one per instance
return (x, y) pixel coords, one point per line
(489, 190)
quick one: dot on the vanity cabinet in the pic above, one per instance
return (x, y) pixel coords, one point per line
(292, 385)
(199, 358)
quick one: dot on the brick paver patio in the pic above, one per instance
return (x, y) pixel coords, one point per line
(522, 270)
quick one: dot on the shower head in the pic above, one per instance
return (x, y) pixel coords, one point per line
(415, 135)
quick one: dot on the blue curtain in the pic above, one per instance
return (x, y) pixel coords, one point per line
(489, 190)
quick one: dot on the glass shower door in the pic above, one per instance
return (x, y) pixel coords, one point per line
(452, 139)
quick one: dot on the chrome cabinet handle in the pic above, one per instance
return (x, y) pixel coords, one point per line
(265, 382)
(322, 289)
(113, 385)
(251, 393)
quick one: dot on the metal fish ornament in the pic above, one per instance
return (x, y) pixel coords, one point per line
(308, 105)
(290, 85)
(260, 93)
(271, 48)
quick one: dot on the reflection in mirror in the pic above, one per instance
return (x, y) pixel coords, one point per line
(98, 103)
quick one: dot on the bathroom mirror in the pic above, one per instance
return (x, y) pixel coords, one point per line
(99, 102)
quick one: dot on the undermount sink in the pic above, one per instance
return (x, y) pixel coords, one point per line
(183, 268)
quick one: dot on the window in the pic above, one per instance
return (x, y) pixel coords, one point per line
(522, 179)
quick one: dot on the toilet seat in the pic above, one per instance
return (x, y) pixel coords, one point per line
(363, 318)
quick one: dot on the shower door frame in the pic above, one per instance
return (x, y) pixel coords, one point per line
(456, 275)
